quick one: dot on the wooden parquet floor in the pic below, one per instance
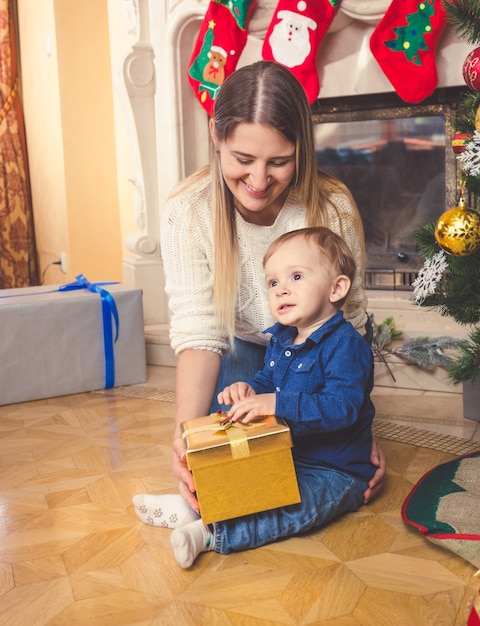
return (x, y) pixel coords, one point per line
(72, 551)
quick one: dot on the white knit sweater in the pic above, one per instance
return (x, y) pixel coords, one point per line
(187, 251)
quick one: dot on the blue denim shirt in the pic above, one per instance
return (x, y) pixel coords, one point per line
(322, 390)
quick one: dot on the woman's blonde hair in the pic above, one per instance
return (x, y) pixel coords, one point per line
(269, 94)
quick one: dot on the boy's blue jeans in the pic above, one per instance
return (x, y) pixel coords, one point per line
(326, 493)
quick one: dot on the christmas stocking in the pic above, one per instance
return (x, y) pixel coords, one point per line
(404, 46)
(294, 36)
(221, 39)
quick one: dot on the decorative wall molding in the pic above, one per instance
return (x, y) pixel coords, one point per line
(139, 75)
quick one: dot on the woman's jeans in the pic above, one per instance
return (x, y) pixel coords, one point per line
(326, 493)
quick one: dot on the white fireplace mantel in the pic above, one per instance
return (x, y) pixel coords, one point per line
(169, 133)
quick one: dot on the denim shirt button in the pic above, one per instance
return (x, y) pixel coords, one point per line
(272, 363)
(299, 366)
(277, 388)
(288, 353)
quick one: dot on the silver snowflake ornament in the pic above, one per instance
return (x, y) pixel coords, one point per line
(429, 276)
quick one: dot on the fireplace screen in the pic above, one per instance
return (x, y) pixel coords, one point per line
(399, 166)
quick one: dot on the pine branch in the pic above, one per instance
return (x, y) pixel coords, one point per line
(466, 367)
(464, 17)
(428, 353)
(464, 311)
(465, 115)
(384, 333)
(425, 238)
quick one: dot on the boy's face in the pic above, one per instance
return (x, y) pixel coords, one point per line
(302, 292)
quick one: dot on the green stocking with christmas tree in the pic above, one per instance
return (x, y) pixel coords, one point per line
(404, 45)
(221, 40)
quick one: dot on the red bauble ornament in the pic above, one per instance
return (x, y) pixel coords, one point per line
(471, 70)
(459, 142)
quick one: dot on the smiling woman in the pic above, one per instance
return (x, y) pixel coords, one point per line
(262, 181)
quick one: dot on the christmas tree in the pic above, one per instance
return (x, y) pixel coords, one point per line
(450, 279)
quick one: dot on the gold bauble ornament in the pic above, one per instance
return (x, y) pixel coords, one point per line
(458, 230)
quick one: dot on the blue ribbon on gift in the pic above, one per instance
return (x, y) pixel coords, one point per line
(109, 311)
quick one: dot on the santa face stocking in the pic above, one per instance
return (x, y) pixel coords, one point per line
(294, 36)
(221, 39)
(404, 46)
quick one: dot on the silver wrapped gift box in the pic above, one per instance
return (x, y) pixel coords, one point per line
(79, 337)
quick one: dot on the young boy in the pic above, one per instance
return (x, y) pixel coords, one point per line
(318, 376)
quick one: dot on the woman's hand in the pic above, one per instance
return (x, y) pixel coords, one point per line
(377, 457)
(196, 378)
(186, 484)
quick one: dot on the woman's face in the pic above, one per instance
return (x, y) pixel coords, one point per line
(258, 165)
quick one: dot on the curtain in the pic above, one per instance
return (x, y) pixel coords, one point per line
(18, 257)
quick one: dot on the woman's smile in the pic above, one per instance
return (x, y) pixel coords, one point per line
(252, 190)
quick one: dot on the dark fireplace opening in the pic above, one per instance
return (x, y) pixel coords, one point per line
(398, 163)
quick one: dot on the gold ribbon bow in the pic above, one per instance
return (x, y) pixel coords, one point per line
(234, 430)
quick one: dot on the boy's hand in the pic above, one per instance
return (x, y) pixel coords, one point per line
(248, 409)
(235, 393)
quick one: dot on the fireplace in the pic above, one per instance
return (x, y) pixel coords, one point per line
(398, 163)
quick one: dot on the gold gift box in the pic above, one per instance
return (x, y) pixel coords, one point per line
(240, 469)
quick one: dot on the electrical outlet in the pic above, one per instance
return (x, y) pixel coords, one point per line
(63, 262)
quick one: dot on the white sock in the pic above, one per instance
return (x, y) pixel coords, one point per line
(189, 541)
(165, 510)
